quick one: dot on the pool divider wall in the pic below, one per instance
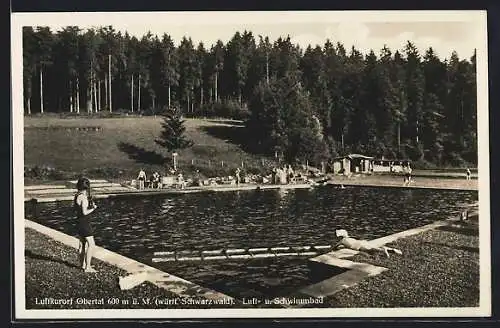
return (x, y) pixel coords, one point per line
(239, 253)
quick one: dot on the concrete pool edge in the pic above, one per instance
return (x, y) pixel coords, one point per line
(68, 194)
(157, 277)
(395, 186)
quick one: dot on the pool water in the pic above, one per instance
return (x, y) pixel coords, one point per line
(139, 226)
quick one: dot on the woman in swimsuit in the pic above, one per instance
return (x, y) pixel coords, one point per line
(362, 245)
(84, 206)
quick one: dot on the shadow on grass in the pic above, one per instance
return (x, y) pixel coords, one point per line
(467, 230)
(223, 121)
(237, 135)
(30, 254)
(457, 247)
(141, 155)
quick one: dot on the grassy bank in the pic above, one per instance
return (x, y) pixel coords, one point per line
(115, 148)
(119, 147)
(438, 268)
(52, 272)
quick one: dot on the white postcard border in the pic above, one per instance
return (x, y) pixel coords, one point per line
(33, 19)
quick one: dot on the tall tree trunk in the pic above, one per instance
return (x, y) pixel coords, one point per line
(109, 79)
(70, 97)
(139, 94)
(99, 101)
(216, 91)
(239, 97)
(132, 94)
(399, 136)
(416, 128)
(267, 68)
(153, 101)
(169, 95)
(41, 89)
(188, 102)
(29, 105)
(90, 93)
(106, 85)
(201, 96)
(95, 104)
(77, 95)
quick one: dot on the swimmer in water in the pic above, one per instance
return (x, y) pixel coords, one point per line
(362, 245)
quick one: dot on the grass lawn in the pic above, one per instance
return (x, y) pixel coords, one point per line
(52, 272)
(121, 146)
(438, 268)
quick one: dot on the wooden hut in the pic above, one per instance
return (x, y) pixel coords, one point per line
(352, 163)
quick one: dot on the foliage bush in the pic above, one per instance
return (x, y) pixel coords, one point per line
(44, 173)
(229, 109)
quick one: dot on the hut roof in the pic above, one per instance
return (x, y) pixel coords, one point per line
(353, 156)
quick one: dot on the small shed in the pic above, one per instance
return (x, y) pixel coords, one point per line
(352, 163)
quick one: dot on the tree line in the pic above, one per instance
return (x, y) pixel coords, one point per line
(301, 104)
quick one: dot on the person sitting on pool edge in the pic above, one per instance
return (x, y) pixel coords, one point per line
(361, 245)
(84, 206)
(155, 180)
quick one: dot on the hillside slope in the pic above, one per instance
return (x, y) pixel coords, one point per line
(119, 147)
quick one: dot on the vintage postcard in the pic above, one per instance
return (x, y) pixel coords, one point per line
(251, 164)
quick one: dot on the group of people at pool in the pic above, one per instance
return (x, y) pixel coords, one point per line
(155, 180)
